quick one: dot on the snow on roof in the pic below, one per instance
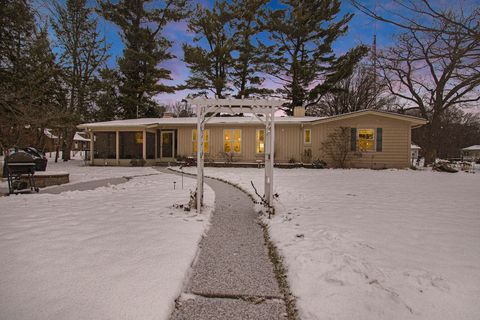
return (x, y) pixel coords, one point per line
(248, 119)
(192, 121)
(49, 133)
(78, 137)
(415, 147)
(474, 147)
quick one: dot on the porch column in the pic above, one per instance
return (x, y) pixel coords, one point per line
(92, 138)
(117, 146)
(144, 145)
(156, 144)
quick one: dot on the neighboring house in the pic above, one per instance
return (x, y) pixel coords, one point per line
(378, 139)
(80, 142)
(471, 153)
(50, 141)
(415, 152)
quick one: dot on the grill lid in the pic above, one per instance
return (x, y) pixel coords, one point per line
(20, 157)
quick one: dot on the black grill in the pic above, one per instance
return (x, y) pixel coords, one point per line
(20, 172)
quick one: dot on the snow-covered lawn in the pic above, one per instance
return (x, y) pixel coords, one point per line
(117, 252)
(79, 172)
(364, 244)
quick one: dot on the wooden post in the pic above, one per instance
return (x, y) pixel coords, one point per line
(269, 155)
(92, 142)
(199, 158)
(272, 152)
(144, 145)
(117, 146)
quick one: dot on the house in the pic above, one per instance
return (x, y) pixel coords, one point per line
(471, 153)
(415, 152)
(376, 139)
(80, 143)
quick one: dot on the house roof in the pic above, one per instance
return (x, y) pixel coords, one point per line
(246, 120)
(415, 121)
(48, 132)
(472, 148)
(415, 147)
(79, 137)
(148, 122)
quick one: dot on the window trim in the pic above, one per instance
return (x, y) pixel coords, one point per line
(232, 140)
(374, 149)
(196, 141)
(257, 141)
(305, 136)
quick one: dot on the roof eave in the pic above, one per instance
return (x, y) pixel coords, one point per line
(414, 121)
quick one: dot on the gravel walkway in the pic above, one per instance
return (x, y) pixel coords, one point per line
(233, 277)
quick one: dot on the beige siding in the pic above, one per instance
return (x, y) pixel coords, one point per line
(290, 145)
(288, 141)
(396, 141)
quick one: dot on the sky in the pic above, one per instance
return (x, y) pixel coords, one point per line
(361, 31)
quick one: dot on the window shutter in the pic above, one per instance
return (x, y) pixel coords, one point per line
(379, 139)
(353, 139)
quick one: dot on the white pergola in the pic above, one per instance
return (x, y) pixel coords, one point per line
(209, 108)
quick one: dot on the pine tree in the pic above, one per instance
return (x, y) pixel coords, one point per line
(17, 28)
(31, 90)
(145, 48)
(47, 95)
(303, 33)
(107, 98)
(248, 22)
(83, 52)
(210, 64)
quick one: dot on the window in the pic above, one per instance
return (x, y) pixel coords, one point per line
(366, 140)
(150, 145)
(131, 145)
(104, 145)
(260, 141)
(232, 140)
(307, 136)
(206, 139)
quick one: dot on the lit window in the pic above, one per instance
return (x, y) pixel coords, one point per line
(206, 139)
(307, 136)
(260, 141)
(366, 140)
(232, 140)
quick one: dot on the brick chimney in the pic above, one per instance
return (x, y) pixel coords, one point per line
(299, 111)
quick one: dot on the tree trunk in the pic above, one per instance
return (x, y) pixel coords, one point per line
(432, 135)
(67, 143)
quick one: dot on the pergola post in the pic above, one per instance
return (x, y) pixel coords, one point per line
(269, 155)
(200, 158)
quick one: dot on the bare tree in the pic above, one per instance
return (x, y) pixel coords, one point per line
(337, 147)
(181, 109)
(359, 91)
(417, 14)
(433, 71)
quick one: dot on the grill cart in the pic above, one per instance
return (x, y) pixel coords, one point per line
(20, 165)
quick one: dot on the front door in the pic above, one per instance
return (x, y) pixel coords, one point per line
(166, 144)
